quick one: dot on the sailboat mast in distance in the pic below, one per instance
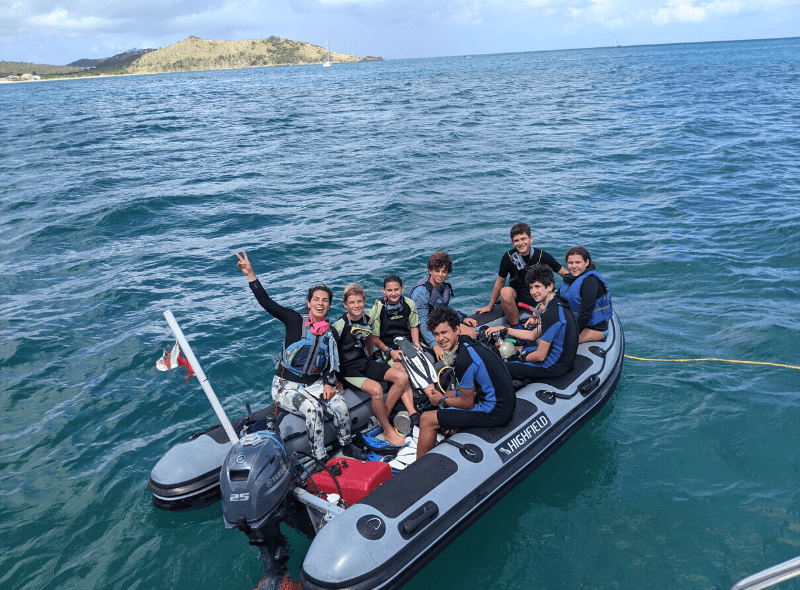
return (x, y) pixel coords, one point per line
(327, 63)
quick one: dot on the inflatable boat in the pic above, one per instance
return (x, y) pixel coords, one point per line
(382, 536)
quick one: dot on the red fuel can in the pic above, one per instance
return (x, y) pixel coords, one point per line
(356, 478)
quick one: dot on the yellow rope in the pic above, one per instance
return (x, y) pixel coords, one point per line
(638, 358)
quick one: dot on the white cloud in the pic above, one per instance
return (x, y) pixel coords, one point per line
(616, 14)
(59, 20)
(393, 28)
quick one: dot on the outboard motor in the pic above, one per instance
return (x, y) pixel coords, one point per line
(255, 482)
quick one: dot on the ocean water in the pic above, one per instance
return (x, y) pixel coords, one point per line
(677, 166)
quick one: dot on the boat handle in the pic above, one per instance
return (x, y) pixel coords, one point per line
(589, 384)
(418, 519)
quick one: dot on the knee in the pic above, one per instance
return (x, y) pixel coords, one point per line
(374, 390)
(401, 378)
(508, 294)
(428, 421)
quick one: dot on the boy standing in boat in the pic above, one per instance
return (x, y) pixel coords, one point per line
(434, 292)
(305, 380)
(515, 263)
(485, 396)
(352, 331)
(557, 331)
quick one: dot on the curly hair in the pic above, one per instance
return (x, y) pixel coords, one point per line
(540, 273)
(440, 260)
(443, 315)
(520, 228)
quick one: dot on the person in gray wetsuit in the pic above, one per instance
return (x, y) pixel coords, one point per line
(305, 379)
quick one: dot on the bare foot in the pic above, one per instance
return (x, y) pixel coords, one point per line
(393, 438)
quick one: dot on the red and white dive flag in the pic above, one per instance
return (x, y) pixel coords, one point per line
(173, 359)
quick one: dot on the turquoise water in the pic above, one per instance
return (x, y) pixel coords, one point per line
(677, 166)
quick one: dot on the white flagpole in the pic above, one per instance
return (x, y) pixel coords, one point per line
(201, 377)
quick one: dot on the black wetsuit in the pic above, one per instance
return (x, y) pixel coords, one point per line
(352, 350)
(477, 366)
(517, 281)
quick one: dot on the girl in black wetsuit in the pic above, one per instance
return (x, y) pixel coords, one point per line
(588, 295)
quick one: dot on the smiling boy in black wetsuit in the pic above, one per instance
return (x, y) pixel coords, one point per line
(352, 332)
(516, 263)
(557, 332)
(485, 396)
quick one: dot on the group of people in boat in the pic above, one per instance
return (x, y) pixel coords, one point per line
(317, 355)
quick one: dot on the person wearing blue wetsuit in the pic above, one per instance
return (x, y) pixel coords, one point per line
(485, 396)
(557, 332)
(432, 292)
(588, 295)
(305, 380)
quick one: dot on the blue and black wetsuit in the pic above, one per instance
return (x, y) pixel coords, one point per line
(477, 366)
(561, 331)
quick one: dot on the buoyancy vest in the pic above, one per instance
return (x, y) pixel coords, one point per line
(392, 324)
(572, 293)
(435, 298)
(352, 338)
(308, 356)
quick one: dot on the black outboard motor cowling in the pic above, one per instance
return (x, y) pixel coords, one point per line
(255, 481)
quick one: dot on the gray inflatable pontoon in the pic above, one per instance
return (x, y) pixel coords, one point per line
(383, 540)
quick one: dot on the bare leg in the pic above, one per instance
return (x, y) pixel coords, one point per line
(375, 391)
(428, 424)
(508, 299)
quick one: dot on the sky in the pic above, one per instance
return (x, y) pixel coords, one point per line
(62, 31)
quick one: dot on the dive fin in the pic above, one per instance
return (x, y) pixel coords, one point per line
(419, 368)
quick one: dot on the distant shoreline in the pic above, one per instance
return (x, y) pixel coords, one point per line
(95, 77)
(190, 55)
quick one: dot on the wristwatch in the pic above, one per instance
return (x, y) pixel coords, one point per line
(443, 405)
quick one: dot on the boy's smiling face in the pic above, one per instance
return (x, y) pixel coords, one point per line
(355, 307)
(522, 243)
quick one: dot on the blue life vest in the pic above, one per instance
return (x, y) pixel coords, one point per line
(602, 307)
(309, 355)
(435, 298)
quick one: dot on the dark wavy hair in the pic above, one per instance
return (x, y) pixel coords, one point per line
(583, 253)
(520, 228)
(540, 273)
(392, 279)
(440, 260)
(443, 315)
(320, 287)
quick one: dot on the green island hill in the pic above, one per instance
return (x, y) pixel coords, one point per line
(195, 54)
(190, 55)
